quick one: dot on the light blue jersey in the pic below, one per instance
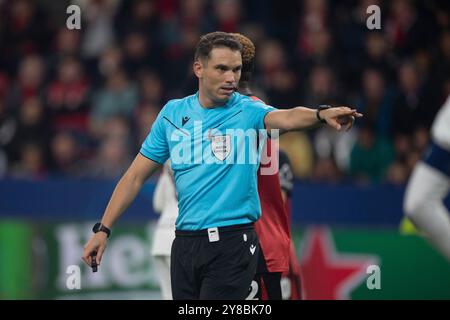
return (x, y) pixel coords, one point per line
(214, 156)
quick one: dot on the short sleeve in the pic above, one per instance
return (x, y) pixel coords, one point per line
(257, 111)
(155, 146)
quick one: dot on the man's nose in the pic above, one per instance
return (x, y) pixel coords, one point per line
(230, 77)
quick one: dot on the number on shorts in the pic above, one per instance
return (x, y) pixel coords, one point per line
(253, 291)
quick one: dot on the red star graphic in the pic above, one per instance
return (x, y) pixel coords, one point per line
(327, 275)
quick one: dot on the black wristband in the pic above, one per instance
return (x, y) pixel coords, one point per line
(100, 227)
(320, 108)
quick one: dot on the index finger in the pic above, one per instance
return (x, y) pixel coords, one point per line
(351, 112)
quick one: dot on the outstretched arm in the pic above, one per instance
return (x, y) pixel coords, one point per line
(124, 194)
(302, 118)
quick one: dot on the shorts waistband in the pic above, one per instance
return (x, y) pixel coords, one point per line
(204, 232)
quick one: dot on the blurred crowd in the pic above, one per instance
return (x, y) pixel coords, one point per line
(78, 103)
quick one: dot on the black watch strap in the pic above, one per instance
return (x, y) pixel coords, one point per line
(320, 108)
(100, 227)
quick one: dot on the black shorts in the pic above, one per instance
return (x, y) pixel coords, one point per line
(223, 269)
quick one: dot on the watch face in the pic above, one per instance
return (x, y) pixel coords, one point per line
(96, 227)
(99, 227)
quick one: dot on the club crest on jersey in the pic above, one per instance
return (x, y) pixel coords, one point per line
(221, 146)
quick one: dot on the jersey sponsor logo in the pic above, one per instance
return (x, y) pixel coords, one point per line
(221, 146)
(252, 249)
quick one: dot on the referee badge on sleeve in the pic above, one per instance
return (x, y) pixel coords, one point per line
(221, 146)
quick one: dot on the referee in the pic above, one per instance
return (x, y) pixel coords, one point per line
(215, 252)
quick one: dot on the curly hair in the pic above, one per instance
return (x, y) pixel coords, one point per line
(248, 49)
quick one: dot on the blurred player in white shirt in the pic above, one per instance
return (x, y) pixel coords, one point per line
(164, 202)
(429, 185)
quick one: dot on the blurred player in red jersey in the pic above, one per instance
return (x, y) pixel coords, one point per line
(277, 256)
(290, 280)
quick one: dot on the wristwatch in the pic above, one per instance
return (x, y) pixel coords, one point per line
(100, 227)
(320, 108)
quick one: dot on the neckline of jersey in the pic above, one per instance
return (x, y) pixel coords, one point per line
(215, 109)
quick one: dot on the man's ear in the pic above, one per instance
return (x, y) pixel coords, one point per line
(198, 69)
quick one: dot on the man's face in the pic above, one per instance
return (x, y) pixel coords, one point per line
(218, 76)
